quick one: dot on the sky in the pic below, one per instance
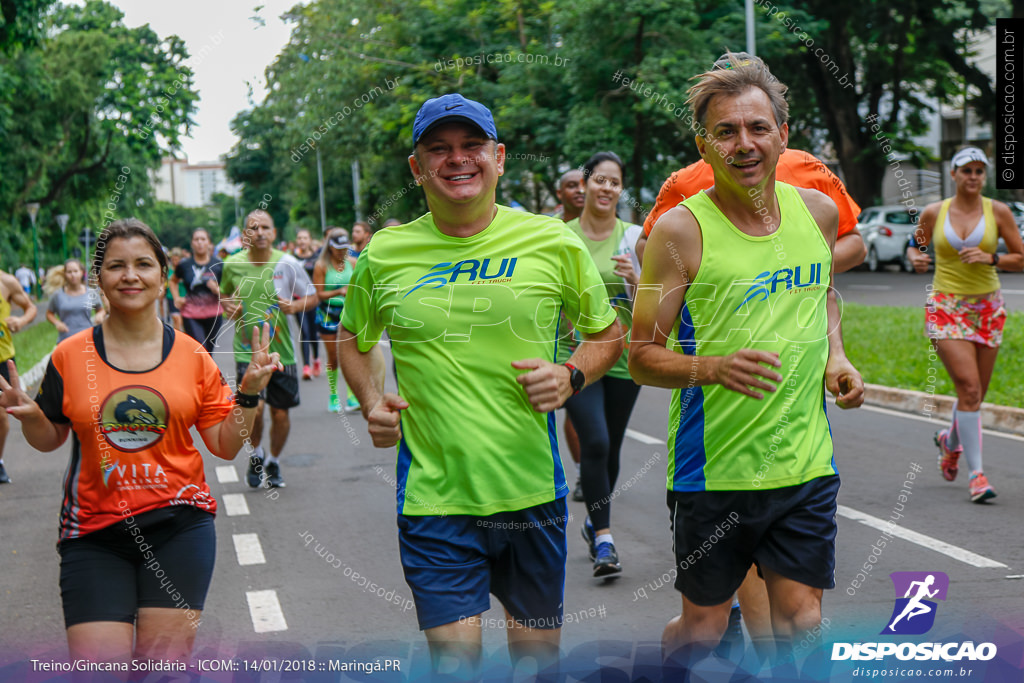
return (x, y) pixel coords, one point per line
(239, 50)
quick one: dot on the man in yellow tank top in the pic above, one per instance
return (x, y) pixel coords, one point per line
(965, 312)
(10, 293)
(736, 313)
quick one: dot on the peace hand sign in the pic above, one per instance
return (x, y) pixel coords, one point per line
(262, 365)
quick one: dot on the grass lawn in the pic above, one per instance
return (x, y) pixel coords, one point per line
(32, 344)
(888, 346)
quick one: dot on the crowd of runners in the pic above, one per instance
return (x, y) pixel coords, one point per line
(724, 295)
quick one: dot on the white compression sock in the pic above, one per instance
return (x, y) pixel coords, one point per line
(969, 427)
(603, 538)
(954, 432)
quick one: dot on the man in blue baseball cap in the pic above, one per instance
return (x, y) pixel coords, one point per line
(469, 295)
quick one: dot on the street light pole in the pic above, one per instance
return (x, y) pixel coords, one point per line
(750, 27)
(62, 221)
(320, 183)
(33, 211)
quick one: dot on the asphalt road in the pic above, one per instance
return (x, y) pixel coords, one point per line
(893, 287)
(335, 520)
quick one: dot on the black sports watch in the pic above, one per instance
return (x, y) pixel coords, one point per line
(995, 259)
(577, 380)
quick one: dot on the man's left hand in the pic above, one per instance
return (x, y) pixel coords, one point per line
(844, 382)
(546, 385)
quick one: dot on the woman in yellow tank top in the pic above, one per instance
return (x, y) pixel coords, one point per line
(965, 312)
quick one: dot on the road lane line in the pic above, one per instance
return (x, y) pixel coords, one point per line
(235, 504)
(226, 474)
(265, 611)
(643, 438)
(871, 287)
(965, 556)
(1012, 291)
(935, 421)
(248, 549)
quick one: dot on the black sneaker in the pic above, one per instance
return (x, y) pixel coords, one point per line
(577, 493)
(274, 479)
(607, 560)
(587, 531)
(254, 476)
(4, 479)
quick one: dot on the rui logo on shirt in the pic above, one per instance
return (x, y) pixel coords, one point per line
(477, 271)
(768, 283)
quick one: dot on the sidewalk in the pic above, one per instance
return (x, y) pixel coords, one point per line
(998, 418)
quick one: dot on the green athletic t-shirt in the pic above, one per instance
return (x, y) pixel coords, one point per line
(335, 279)
(766, 293)
(259, 285)
(621, 241)
(458, 311)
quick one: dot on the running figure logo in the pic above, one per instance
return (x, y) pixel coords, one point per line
(914, 613)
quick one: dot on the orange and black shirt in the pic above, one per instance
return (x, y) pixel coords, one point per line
(132, 451)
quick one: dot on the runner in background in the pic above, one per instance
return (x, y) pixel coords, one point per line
(570, 194)
(199, 275)
(602, 410)
(965, 311)
(171, 312)
(72, 304)
(331, 275)
(309, 341)
(260, 284)
(11, 292)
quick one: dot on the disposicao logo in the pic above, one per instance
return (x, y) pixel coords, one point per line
(914, 614)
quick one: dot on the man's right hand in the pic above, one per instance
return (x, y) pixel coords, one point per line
(744, 371)
(384, 420)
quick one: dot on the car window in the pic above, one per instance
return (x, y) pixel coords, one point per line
(899, 218)
(867, 216)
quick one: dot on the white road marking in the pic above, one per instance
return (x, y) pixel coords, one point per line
(227, 474)
(965, 556)
(248, 549)
(875, 287)
(934, 421)
(265, 611)
(1012, 291)
(235, 504)
(643, 438)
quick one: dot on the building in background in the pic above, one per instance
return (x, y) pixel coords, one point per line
(190, 185)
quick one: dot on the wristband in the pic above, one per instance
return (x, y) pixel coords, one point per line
(246, 400)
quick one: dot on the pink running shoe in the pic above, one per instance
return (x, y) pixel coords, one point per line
(947, 458)
(980, 488)
(317, 368)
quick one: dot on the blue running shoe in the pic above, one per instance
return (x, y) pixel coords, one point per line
(607, 560)
(588, 535)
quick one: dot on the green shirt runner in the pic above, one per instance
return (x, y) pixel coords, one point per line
(458, 312)
(621, 241)
(766, 293)
(259, 285)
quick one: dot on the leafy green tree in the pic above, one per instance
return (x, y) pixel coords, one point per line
(86, 110)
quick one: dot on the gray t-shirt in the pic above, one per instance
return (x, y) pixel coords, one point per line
(74, 311)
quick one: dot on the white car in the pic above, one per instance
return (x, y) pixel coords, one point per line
(886, 231)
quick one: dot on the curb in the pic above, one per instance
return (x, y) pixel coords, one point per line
(997, 418)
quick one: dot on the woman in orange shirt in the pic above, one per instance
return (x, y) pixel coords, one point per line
(136, 527)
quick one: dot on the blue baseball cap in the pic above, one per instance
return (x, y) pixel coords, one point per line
(452, 107)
